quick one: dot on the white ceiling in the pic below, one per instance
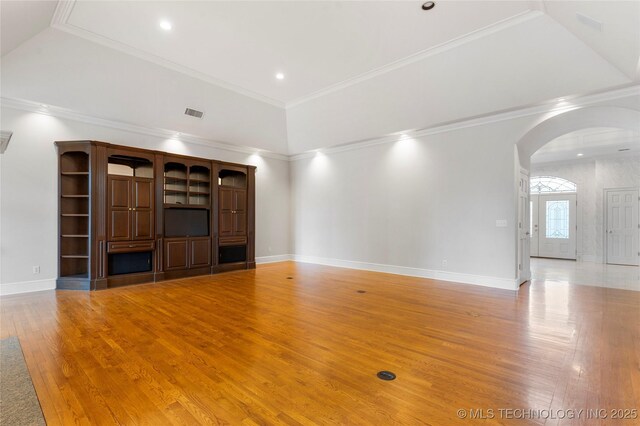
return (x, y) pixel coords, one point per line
(354, 70)
(315, 44)
(21, 20)
(595, 142)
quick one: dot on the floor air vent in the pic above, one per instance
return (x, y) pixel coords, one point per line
(386, 375)
(193, 113)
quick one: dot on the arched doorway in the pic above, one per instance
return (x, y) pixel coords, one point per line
(546, 130)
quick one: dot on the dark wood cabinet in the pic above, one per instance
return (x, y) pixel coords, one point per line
(119, 208)
(142, 205)
(130, 215)
(176, 254)
(187, 214)
(130, 208)
(235, 226)
(187, 253)
(233, 212)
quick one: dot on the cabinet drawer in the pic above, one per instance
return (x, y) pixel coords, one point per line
(232, 241)
(124, 246)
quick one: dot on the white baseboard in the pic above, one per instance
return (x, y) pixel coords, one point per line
(495, 282)
(27, 286)
(591, 258)
(272, 259)
(525, 277)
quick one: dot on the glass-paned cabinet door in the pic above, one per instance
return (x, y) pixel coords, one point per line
(199, 185)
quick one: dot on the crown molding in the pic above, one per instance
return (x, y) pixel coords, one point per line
(62, 12)
(69, 114)
(60, 21)
(627, 155)
(419, 56)
(546, 107)
(571, 103)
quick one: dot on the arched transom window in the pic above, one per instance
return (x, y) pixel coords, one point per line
(546, 184)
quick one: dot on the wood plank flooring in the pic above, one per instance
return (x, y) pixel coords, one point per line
(255, 347)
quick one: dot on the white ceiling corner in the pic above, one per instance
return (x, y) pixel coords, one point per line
(60, 21)
(21, 21)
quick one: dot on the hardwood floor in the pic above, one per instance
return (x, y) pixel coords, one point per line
(255, 347)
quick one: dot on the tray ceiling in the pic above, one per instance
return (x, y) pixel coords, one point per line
(314, 44)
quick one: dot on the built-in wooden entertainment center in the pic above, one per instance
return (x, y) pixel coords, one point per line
(129, 215)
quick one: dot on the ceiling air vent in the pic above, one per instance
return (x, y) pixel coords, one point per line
(5, 136)
(193, 113)
(590, 22)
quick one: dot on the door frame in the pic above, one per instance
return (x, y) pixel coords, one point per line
(605, 217)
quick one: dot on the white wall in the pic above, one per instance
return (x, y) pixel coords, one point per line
(28, 191)
(592, 177)
(407, 206)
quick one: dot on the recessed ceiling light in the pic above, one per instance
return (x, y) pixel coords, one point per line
(580, 154)
(428, 5)
(165, 25)
(280, 76)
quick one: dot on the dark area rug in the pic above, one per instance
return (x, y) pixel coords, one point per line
(19, 404)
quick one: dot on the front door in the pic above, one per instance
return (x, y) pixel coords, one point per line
(557, 225)
(622, 227)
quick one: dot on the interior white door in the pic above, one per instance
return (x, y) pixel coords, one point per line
(533, 225)
(557, 220)
(622, 227)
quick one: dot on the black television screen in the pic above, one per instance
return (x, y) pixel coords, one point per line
(186, 222)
